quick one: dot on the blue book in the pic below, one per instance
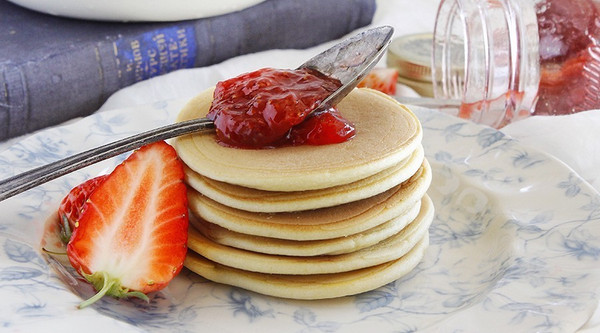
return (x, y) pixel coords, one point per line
(53, 69)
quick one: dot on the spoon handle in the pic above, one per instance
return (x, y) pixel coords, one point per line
(32, 178)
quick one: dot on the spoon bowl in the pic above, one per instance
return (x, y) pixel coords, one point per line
(351, 60)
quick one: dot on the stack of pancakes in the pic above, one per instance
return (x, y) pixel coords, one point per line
(310, 222)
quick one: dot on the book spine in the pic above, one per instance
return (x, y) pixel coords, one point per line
(154, 53)
(76, 81)
(13, 101)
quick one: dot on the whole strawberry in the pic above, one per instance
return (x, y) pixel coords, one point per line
(132, 232)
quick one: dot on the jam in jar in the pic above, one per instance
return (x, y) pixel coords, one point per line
(521, 57)
(272, 107)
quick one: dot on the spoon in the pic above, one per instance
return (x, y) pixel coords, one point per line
(348, 61)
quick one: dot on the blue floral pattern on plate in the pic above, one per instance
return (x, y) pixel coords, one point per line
(515, 246)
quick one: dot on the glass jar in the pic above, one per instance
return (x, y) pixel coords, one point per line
(521, 57)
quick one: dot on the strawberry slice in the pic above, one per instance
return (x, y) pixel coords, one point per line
(132, 234)
(382, 79)
(70, 208)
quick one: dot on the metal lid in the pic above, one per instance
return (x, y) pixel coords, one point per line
(411, 56)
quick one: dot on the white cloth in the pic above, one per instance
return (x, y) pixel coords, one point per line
(573, 139)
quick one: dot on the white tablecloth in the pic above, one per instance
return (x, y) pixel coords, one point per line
(574, 139)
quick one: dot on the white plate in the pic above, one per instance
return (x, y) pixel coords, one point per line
(515, 247)
(136, 10)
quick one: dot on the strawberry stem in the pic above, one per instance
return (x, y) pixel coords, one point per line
(137, 294)
(107, 284)
(45, 250)
(65, 230)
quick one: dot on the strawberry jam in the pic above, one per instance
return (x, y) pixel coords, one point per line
(569, 33)
(272, 107)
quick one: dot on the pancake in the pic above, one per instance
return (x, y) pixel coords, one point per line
(310, 287)
(324, 223)
(254, 200)
(286, 247)
(387, 133)
(389, 249)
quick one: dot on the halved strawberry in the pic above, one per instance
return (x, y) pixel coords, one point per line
(132, 234)
(382, 79)
(71, 206)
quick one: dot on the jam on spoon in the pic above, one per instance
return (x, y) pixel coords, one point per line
(272, 107)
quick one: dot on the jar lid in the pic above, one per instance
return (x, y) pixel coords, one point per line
(411, 56)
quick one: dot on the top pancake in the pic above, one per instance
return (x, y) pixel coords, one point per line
(386, 133)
